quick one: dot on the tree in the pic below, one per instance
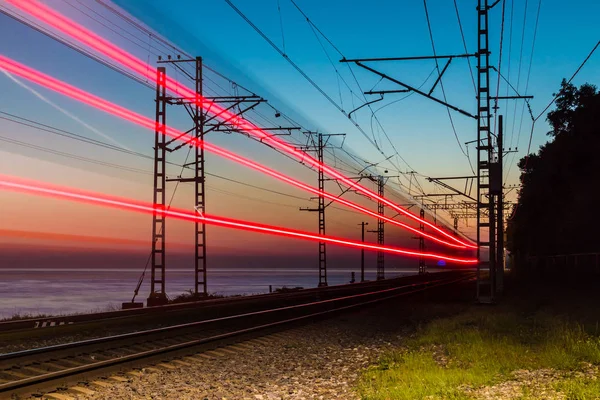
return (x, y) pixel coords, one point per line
(556, 211)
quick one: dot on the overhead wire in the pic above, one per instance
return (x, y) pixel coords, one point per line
(442, 86)
(537, 18)
(499, 69)
(312, 82)
(176, 49)
(168, 45)
(462, 35)
(512, 133)
(71, 45)
(314, 27)
(386, 202)
(507, 79)
(560, 92)
(78, 137)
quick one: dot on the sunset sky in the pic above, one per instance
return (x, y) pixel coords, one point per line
(419, 128)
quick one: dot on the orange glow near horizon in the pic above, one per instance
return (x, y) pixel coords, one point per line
(116, 110)
(47, 190)
(56, 20)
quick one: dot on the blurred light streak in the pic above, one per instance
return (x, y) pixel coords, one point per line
(44, 189)
(73, 92)
(58, 21)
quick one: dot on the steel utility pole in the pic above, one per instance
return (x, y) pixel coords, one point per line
(199, 178)
(319, 147)
(362, 252)
(500, 214)
(422, 265)
(202, 124)
(321, 210)
(380, 227)
(488, 203)
(158, 295)
(489, 172)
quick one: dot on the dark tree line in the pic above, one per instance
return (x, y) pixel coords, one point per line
(557, 210)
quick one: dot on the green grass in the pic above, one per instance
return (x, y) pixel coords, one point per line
(579, 388)
(483, 346)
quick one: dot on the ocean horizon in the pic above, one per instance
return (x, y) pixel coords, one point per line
(71, 290)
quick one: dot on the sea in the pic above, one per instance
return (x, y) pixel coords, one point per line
(58, 291)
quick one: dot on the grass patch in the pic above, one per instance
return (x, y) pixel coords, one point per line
(451, 358)
(580, 388)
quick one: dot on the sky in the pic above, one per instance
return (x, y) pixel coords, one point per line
(419, 129)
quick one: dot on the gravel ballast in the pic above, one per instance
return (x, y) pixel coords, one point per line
(322, 360)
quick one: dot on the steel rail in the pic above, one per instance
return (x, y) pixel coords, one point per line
(98, 365)
(107, 339)
(61, 321)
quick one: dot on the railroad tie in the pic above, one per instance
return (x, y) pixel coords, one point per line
(240, 347)
(58, 396)
(261, 341)
(118, 378)
(167, 366)
(36, 370)
(15, 374)
(194, 359)
(216, 353)
(81, 390)
(180, 362)
(151, 369)
(54, 365)
(206, 356)
(101, 384)
(136, 374)
(226, 350)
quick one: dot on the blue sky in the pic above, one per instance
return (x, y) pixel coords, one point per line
(419, 128)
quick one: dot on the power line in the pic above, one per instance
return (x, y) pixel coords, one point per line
(537, 18)
(510, 40)
(442, 86)
(314, 27)
(74, 156)
(74, 136)
(169, 45)
(499, 66)
(285, 56)
(570, 79)
(560, 91)
(310, 80)
(548, 106)
(512, 132)
(73, 46)
(462, 35)
(61, 40)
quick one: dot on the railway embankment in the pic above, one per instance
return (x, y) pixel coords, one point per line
(541, 341)
(24, 334)
(123, 358)
(326, 359)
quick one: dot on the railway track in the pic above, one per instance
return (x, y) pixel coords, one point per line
(44, 325)
(28, 371)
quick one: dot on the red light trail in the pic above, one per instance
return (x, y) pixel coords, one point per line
(92, 40)
(48, 190)
(114, 109)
